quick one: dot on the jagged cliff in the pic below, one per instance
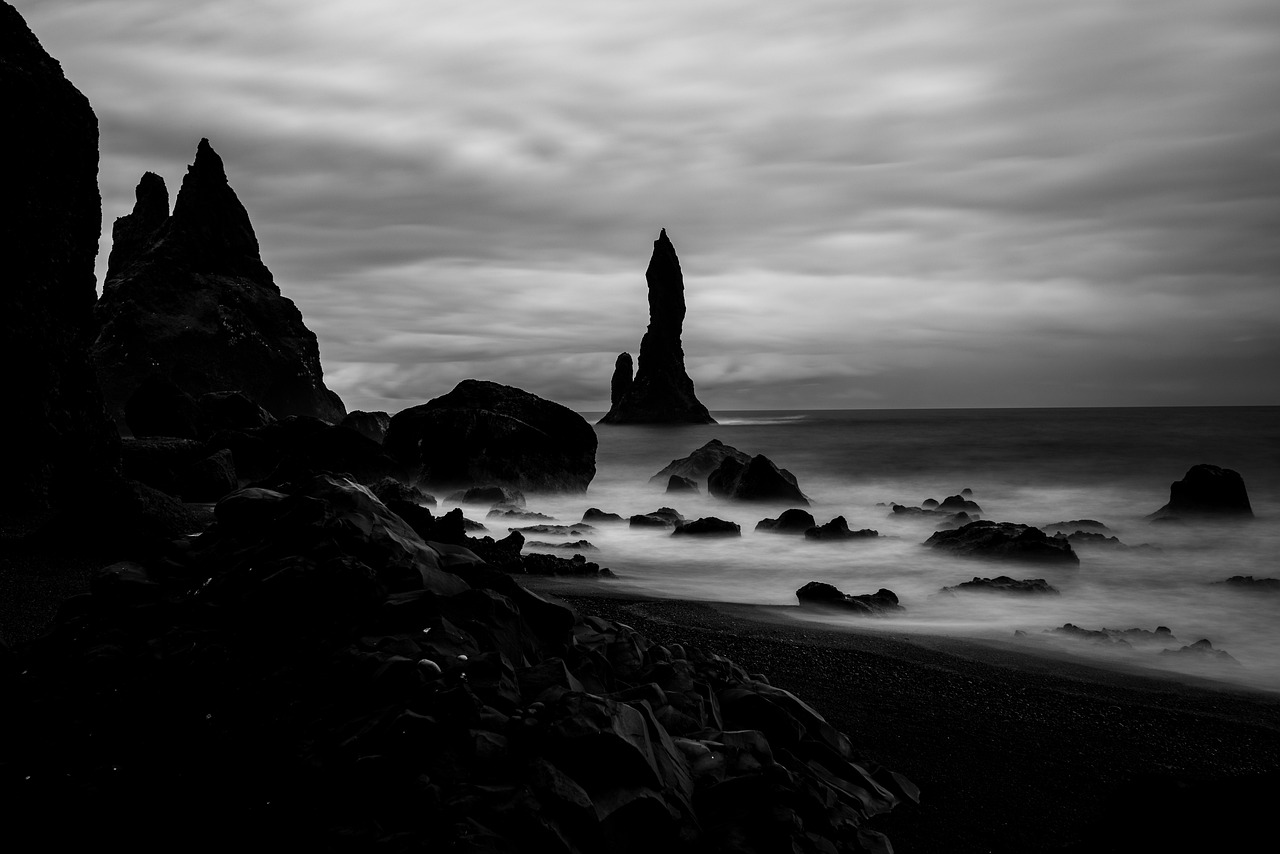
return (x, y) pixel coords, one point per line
(661, 391)
(187, 298)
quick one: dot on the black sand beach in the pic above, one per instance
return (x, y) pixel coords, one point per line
(1013, 752)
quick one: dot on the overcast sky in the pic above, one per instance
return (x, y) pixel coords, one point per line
(876, 203)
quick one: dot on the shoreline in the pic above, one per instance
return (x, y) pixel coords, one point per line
(1014, 750)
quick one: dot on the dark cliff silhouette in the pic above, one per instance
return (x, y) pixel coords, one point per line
(188, 299)
(61, 444)
(661, 391)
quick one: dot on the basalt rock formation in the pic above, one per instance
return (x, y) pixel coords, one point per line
(483, 433)
(60, 444)
(661, 391)
(188, 299)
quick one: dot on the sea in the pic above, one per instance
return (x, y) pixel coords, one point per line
(1031, 466)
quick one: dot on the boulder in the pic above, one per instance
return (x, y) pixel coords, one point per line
(794, 521)
(389, 489)
(595, 515)
(61, 446)
(701, 462)
(159, 463)
(302, 443)
(838, 529)
(1207, 492)
(1003, 584)
(663, 517)
(661, 391)
(758, 480)
(188, 299)
(1161, 637)
(371, 425)
(817, 594)
(1248, 582)
(708, 526)
(486, 433)
(959, 504)
(1091, 526)
(210, 478)
(1004, 541)
(487, 496)
(676, 483)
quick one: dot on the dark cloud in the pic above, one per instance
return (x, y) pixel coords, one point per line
(974, 202)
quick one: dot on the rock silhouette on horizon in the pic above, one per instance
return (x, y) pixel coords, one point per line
(188, 299)
(661, 391)
(60, 441)
(1207, 491)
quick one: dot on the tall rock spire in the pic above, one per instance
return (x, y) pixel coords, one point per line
(661, 392)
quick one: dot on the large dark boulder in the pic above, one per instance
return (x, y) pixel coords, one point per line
(1207, 491)
(187, 298)
(817, 594)
(758, 480)
(794, 521)
(661, 392)
(708, 526)
(61, 446)
(701, 462)
(486, 433)
(1004, 541)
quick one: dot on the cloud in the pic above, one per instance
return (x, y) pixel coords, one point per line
(983, 202)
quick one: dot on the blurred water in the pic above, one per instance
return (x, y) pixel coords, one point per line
(1032, 466)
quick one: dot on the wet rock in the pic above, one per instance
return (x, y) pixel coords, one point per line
(676, 483)
(838, 529)
(794, 521)
(1091, 539)
(1090, 526)
(580, 545)
(61, 445)
(663, 517)
(597, 516)
(544, 564)
(1248, 582)
(514, 514)
(817, 594)
(1207, 492)
(661, 391)
(486, 433)
(1003, 584)
(708, 526)
(758, 480)
(232, 330)
(701, 462)
(555, 530)
(959, 504)
(489, 496)
(1004, 541)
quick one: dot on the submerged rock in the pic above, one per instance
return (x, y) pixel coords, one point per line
(817, 594)
(838, 529)
(1207, 492)
(661, 391)
(486, 433)
(708, 526)
(1003, 584)
(758, 480)
(794, 521)
(1004, 541)
(188, 299)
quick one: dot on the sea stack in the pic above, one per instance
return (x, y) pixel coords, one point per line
(187, 299)
(661, 391)
(60, 446)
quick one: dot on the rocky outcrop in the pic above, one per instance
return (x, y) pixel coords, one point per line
(60, 445)
(817, 594)
(187, 298)
(1003, 584)
(758, 480)
(1004, 541)
(794, 521)
(486, 433)
(663, 517)
(701, 462)
(372, 425)
(661, 391)
(838, 529)
(598, 516)
(708, 526)
(1207, 492)
(1248, 582)
(676, 483)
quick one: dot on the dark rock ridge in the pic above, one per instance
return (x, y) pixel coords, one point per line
(187, 298)
(61, 446)
(372, 425)
(817, 594)
(341, 684)
(1161, 637)
(1207, 491)
(1004, 541)
(701, 463)
(486, 433)
(758, 480)
(708, 526)
(838, 529)
(661, 391)
(1003, 584)
(794, 521)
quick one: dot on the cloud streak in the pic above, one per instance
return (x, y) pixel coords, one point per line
(976, 202)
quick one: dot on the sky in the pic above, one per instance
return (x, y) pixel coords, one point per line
(876, 203)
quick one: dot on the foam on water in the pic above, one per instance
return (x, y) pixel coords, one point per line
(1029, 466)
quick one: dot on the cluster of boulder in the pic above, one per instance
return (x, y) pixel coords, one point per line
(1161, 639)
(312, 669)
(1004, 541)
(731, 474)
(820, 595)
